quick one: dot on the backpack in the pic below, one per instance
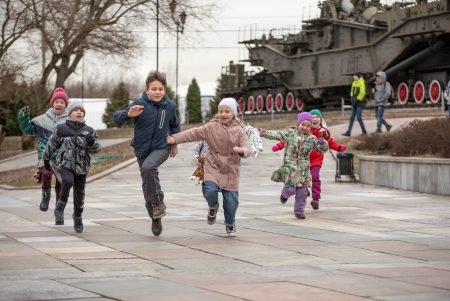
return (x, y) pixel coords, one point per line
(391, 98)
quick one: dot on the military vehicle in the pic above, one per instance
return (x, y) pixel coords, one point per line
(410, 41)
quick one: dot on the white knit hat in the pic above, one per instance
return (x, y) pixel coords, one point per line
(231, 103)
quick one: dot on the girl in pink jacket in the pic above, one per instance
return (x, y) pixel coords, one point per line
(228, 143)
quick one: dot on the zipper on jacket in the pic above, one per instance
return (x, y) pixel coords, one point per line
(154, 127)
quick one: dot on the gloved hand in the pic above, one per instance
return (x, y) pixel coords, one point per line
(342, 148)
(25, 111)
(320, 141)
(47, 165)
(90, 139)
(276, 148)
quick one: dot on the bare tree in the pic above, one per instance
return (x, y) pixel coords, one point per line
(16, 20)
(70, 28)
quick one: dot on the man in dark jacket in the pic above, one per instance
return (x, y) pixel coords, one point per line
(155, 118)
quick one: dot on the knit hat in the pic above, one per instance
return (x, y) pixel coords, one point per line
(318, 113)
(358, 74)
(231, 103)
(73, 105)
(303, 116)
(59, 93)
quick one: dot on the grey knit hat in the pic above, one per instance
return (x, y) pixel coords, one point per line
(73, 105)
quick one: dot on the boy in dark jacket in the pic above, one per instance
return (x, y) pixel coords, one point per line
(74, 141)
(155, 118)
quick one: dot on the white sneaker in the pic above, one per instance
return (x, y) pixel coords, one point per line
(231, 230)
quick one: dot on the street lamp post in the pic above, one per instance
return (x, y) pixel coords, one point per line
(157, 35)
(180, 28)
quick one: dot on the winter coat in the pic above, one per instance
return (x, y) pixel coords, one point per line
(295, 169)
(358, 92)
(157, 121)
(73, 153)
(383, 91)
(316, 157)
(43, 126)
(222, 165)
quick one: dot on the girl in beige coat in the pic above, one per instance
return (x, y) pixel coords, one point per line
(227, 145)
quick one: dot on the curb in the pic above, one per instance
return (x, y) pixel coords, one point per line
(18, 156)
(88, 180)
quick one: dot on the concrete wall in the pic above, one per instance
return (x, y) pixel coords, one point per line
(417, 174)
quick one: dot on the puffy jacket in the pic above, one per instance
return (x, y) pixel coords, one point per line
(73, 150)
(295, 171)
(222, 165)
(316, 158)
(358, 91)
(156, 122)
(382, 91)
(43, 126)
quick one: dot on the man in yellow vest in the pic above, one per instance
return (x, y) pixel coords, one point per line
(357, 94)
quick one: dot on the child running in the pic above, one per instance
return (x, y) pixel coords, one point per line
(294, 172)
(43, 126)
(318, 129)
(74, 141)
(154, 116)
(228, 143)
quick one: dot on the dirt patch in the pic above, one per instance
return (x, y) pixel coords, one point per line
(108, 157)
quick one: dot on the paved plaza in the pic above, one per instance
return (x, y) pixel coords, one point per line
(365, 242)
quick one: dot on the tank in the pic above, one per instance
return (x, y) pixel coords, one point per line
(410, 41)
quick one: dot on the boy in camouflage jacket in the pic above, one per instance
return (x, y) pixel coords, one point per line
(295, 172)
(74, 141)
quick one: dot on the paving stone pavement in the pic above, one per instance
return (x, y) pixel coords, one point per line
(365, 242)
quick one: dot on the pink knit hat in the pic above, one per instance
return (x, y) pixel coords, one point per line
(303, 116)
(59, 93)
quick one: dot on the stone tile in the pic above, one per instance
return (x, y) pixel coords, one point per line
(417, 297)
(280, 291)
(40, 290)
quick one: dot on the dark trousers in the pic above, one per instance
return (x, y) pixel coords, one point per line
(150, 177)
(356, 112)
(46, 181)
(69, 179)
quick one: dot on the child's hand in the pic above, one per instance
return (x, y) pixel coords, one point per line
(342, 148)
(25, 111)
(238, 150)
(47, 165)
(278, 146)
(170, 140)
(135, 111)
(173, 151)
(320, 141)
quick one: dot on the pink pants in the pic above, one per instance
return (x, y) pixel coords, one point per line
(315, 170)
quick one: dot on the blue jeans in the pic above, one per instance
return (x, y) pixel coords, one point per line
(230, 200)
(356, 112)
(379, 111)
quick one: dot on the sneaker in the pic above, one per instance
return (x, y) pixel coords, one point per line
(388, 127)
(156, 226)
(46, 193)
(347, 134)
(378, 131)
(59, 213)
(315, 204)
(211, 217)
(159, 210)
(77, 223)
(282, 199)
(300, 215)
(231, 230)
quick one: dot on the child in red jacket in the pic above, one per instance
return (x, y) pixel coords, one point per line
(318, 129)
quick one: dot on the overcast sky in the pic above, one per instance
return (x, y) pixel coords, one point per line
(202, 54)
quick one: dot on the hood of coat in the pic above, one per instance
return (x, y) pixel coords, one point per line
(382, 75)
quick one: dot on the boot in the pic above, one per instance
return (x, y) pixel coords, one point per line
(156, 226)
(77, 223)
(46, 194)
(59, 213)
